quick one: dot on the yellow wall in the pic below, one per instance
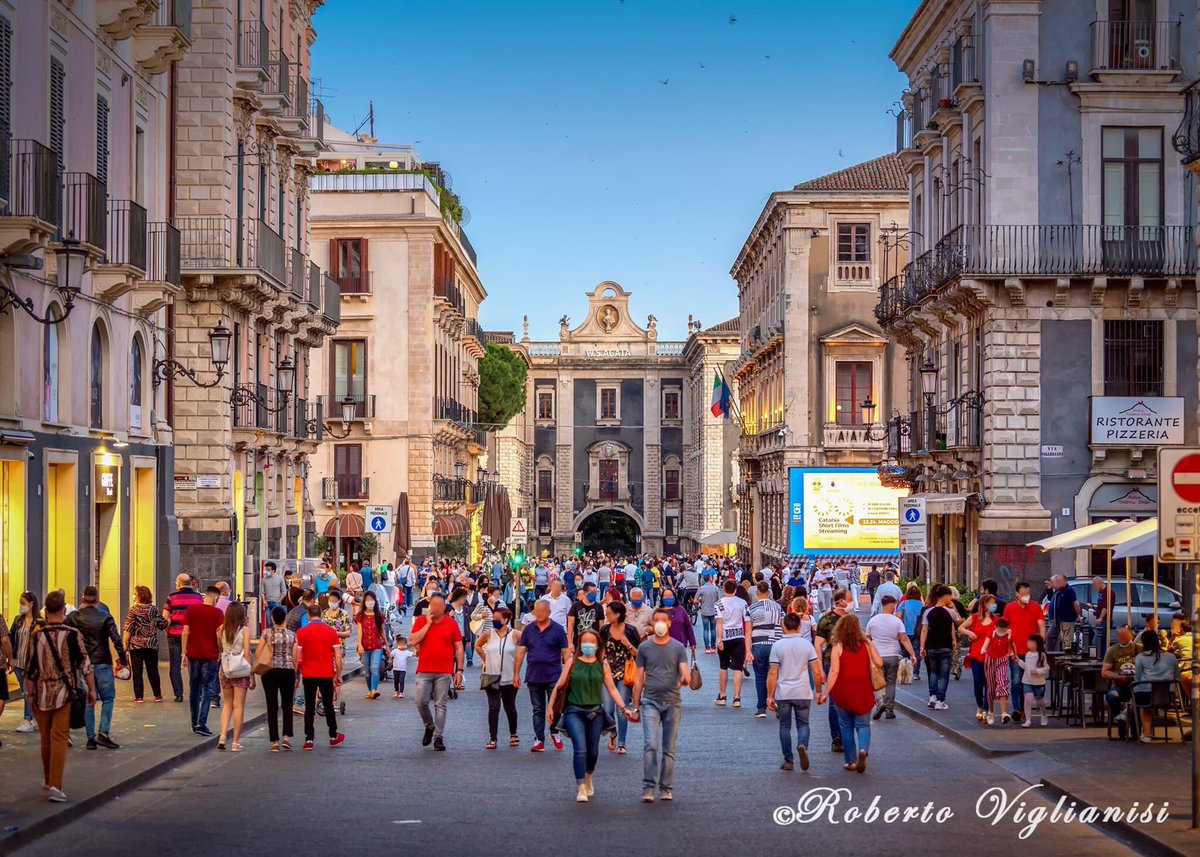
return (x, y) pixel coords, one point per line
(299, 495)
(61, 527)
(142, 520)
(239, 512)
(107, 532)
(12, 536)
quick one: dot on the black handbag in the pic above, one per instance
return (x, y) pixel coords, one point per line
(76, 698)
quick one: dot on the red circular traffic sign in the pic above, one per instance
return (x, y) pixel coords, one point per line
(1185, 478)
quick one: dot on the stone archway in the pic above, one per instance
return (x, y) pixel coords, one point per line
(610, 530)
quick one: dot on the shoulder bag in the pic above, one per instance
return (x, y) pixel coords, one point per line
(696, 681)
(234, 664)
(264, 657)
(878, 681)
(76, 698)
(560, 697)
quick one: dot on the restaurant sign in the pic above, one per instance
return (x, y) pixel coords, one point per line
(1137, 420)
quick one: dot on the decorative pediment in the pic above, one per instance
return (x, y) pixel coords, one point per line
(608, 319)
(855, 334)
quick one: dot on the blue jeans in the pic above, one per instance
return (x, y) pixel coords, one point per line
(200, 678)
(787, 709)
(603, 588)
(937, 661)
(835, 723)
(106, 692)
(660, 730)
(710, 631)
(24, 696)
(371, 660)
(469, 645)
(1017, 692)
(761, 655)
(854, 726)
(915, 639)
(610, 708)
(584, 726)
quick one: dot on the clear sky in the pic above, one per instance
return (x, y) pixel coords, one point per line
(632, 141)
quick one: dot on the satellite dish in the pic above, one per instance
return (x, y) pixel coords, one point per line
(466, 217)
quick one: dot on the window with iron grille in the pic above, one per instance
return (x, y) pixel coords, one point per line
(854, 242)
(1133, 358)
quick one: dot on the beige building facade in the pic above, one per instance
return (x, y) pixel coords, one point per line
(407, 354)
(808, 279)
(247, 134)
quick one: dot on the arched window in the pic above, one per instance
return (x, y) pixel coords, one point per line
(135, 383)
(96, 379)
(50, 370)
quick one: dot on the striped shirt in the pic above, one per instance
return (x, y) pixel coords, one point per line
(178, 604)
(766, 621)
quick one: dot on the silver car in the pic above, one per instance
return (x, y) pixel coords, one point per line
(1169, 601)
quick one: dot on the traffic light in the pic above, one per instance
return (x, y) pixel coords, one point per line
(518, 559)
(578, 550)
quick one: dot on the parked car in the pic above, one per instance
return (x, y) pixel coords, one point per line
(1169, 601)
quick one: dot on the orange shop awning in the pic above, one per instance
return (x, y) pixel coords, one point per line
(450, 525)
(352, 527)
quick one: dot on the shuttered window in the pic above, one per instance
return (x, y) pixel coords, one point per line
(5, 74)
(58, 118)
(102, 138)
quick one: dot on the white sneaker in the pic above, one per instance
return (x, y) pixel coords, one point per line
(1045, 720)
(991, 719)
(941, 706)
(1145, 739)
(56, 796)
(581, 795)
(27, 726)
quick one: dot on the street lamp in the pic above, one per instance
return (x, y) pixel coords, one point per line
(71, 258)
(349, 408)
(218, 350)
(929, 380)
(285, 383)
(896, 423)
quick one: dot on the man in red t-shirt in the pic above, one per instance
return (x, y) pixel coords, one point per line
(319, 658)
(201, 655)
(439, 644)
(1025, 617)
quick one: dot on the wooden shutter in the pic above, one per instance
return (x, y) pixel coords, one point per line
(5, 74)
(347, 459)
(102, 138)
(58, 74)
(363, 269)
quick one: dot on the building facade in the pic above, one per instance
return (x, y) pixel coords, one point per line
(1049, 312)
(85, 171)
(407, 355)
(248, 130)
(510, 448)
(608, 436)
(812, 352)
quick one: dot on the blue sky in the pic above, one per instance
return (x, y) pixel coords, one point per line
(598, 140)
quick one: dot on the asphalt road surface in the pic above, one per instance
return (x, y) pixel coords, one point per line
(382, 792)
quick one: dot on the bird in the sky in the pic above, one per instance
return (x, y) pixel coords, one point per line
(702, 65)
(665, 82)
(840, 155)
(732, 20)
(766, 56)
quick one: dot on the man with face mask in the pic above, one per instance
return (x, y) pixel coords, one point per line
(662, 669)
(640, 615)
(1118, 670)
(273, 586)
(1024, 617)
(585, 614)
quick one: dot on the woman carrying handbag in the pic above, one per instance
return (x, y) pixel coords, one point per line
(275, 663)
(620, 643)
(497, 647)
(237, 676)
(852, 684)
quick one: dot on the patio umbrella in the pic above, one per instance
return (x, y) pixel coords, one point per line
(1123, 533)
(1081, 537)
(402, 542)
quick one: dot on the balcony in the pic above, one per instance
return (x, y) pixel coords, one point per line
(851, 437)
(30, 185)
(354, 284)
(314, 285)
(448, 291)
(364, 405)
(272, 253)
(253, 55)
(1186, 140)
(255, 415)
(1040, 251)
(85, 211)
(1135, 46)
(309, 415)
(345, 486)
(161, 283)
(449, 490)
(294, 117)
(298, 274)
(224, 244)
(277, 95)
(963, 427)
(125, 262)
(333, 302)
(852, 275)
(312, 137)
(964, 67)
(166, 38)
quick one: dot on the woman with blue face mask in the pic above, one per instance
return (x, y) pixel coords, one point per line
(497, 646)
(681, 622)
(579, 694)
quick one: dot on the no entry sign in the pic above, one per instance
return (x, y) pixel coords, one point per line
(1178, 503)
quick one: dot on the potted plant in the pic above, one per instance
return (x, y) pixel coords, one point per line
(945, 103)
(931, 125)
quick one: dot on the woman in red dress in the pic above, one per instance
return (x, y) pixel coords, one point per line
(978, 628)
(851, 688)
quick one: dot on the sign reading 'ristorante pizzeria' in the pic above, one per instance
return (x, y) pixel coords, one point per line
(1124, 420)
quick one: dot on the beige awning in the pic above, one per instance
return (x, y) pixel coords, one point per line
(945, 504)
(721, 537)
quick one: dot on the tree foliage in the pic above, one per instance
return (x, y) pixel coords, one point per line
(501, 386)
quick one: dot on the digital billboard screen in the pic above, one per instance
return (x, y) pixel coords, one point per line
(840, 511)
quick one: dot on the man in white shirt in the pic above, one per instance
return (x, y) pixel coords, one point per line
(639, 614)
(733, 627)
(886, 631)
(888, 587)
(788, 690)
(631, 571)
(559, 602)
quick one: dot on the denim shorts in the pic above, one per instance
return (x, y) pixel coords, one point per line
(1038, 690)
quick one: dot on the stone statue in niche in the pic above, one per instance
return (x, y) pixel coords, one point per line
(564, 327)
(608, 319)
(651, 323)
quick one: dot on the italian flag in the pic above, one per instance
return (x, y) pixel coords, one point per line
(721, 396)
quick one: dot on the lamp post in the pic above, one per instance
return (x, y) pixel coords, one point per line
(929, 389)
(218, 355)
(71, 259)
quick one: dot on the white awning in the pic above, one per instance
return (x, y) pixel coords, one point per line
(1143, 545)
(1103, 535)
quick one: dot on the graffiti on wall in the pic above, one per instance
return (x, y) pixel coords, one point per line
(1008, 564)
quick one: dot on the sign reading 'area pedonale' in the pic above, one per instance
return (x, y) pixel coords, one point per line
(1137, 420)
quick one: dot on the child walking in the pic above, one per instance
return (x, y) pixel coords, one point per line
(400, 656)
(1037, 668)
(996, 657)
